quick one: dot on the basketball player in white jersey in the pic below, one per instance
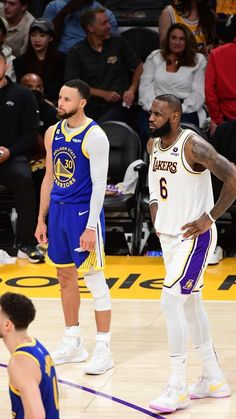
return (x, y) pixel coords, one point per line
(184, 215)
(72, 195)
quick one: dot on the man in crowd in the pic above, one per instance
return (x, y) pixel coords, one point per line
(65, 15)
(19, 127)
(19, 21)
(105, 62)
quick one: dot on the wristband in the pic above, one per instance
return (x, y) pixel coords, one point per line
(211, 218)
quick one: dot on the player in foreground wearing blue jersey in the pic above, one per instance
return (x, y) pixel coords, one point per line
(72, 194)
(184, 215)
(33, 383)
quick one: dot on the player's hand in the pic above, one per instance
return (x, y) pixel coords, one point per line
(194, 229)
(41, 233)
(88, 240)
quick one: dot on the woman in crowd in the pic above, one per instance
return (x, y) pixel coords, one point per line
(196, 15)
(178, 69)
(42, 58)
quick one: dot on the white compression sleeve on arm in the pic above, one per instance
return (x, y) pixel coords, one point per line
(97, 146)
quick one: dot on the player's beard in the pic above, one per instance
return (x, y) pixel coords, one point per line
(165, 129)
(66, 115)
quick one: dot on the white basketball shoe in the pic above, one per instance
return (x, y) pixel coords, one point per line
(69, 350)
(209, 387)
(173, 398)
(101, 360)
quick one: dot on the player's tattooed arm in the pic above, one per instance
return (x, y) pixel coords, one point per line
(201, 153)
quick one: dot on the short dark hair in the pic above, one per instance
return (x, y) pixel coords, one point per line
(88, 16)
(172, 100)
(82, 87)
(18, 308)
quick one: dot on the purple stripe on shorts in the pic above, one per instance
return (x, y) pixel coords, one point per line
(195, 263)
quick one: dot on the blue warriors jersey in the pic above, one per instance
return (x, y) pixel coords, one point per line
(48, 384)
(72, 180)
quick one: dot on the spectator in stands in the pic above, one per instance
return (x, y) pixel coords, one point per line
(196, 15)
(7, 51)
(19, 21)
(65, 15)
(105, 63)
(42, 58)
(47, 110)
(178, 69)
(220, 81)
(48, 117)
(19, 125)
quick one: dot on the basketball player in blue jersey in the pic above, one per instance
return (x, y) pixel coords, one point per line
(184, 215)
(73, 192)
(32, 377)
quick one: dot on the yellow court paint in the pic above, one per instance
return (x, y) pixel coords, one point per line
(129, 277)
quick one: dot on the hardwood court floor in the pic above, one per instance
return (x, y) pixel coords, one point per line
(139, 346)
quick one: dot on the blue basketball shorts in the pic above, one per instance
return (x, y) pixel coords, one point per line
(66, 223)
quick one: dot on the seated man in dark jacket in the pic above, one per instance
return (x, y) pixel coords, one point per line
(19, 126)
(108, 64)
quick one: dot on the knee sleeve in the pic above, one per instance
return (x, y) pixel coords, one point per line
(97, 285)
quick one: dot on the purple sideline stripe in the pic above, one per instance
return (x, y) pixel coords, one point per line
(107, 396)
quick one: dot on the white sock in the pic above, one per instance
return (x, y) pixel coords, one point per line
(72, 333)
(103, 339)
(209, 359)
(178, 370)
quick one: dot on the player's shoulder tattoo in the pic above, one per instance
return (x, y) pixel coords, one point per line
(205, 154)
(201, 150)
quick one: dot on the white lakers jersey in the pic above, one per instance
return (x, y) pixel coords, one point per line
(183, 195)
